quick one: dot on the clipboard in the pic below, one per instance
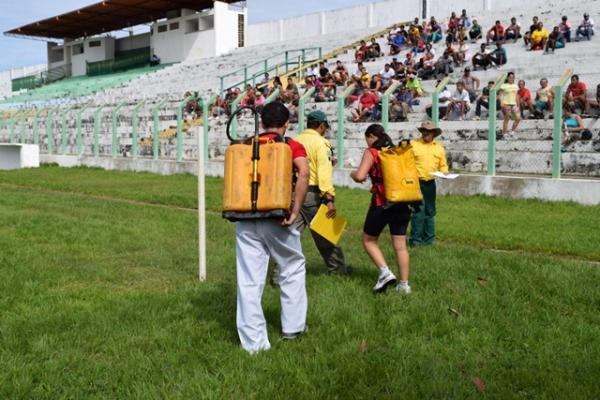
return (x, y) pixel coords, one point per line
(330, 228)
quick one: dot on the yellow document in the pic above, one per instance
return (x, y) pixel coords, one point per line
(330, 228)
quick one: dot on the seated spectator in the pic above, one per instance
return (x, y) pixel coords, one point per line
(461, 34)
(464, 52)
(482, 58)
(323, 71)
(453, 24)
(374, 50)
(586, 28)
(426, 66)
(425, 31)
(513, 32)
(532, 28)
(565, 28)
(573, 129)
(443, 67)
(358, 72)
(154, 60)
(291, 92)
(471, 84)
(443, 102)
(414, 86)
(376, 85)
(498, 56)
(393, 32)
(496, 33)
(459, 103)
(400, 105)
(340, 74)
(398, 40)
(327, 90)
(539, 37)
(409, 65)
(260, 99)
(435, 34)
(544, 99)
(475, 33)
(365, 78)
(524, 99)
(366, 104)
(387, 75)
(483, 100)
(595, 104)
(264, 79)
(312, 72)
(576, 96)
(465, 22)
(556, 40)
(452, 53)
(361, 53)
(249, 99)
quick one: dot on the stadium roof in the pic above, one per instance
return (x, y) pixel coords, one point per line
(107, 16)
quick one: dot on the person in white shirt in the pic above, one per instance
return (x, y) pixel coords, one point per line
(464, 53)
(460, 102)
(444, 102)
(586, 28)
(387, 74)
(513, 32)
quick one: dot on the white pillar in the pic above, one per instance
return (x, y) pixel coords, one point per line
(487, 5)
(323, 23)
(281, 38)
(371, 15)
(201, 206)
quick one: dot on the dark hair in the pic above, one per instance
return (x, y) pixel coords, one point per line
(274, 115)
(509, 74)
(383, 140)
(575, 76)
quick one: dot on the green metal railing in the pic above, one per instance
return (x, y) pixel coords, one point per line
(22, 122)
(435, 104)
(205, 123)
(63, 140)
(115, 141)
(492, 119)
(50, 129)
(558, 119)
(36, 127)
(341, 111)
(385, 105)
(302, 108)
(134, 130)
(180, 126)
(97, 123)
(155, 128)
(268, 65)
(11, 126)
(273, 96)
(234, 124)
(79, 144)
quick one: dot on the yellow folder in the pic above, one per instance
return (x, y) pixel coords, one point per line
(330, 228)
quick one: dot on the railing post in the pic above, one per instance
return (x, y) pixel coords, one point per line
(287, 62)
(50, 130)
(180, 127)
(272, 97)
(435, 104)
(558, 119)
(234, 123)
(491, 162)
(266, 65)
(205, 125)
(114, 141)
(302, 109)
(245, 76)
(36, 127)
(63, 140)
(385, 105)
(97, 122)
(222, 87)
(342, 125)
(12, 123)
(134, 130)
(22, 122)
(79, 133)
(155, 130)
(320, 53)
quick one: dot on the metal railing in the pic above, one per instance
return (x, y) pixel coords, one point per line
(341, 131)
(492, 119)
(435, 103)
(302, 108)
(558, 119)
(385, 105)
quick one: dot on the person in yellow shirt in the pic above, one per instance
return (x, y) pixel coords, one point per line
(508, 102)
(539, 37)
(320, 190)
(430, 157)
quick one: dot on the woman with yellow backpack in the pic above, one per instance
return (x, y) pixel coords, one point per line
(381, 214)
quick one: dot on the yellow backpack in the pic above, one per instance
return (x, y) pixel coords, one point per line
(400, 177)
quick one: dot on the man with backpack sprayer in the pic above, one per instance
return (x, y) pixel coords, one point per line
(430, 157)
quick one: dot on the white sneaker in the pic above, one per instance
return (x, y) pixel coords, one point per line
(383, 282)
(403, 288)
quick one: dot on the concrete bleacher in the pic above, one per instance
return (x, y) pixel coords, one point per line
(465, 141)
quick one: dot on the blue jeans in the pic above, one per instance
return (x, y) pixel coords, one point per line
(587, 32)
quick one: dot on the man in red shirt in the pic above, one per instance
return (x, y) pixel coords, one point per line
(496, 33)
(260, 239)
(362, 51)
(577, 95)
(524, 99)
(366, 104)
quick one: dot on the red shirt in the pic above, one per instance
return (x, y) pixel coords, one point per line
(368, 100)
(576, 90)
(525, 94)
(376, 176)
(298, 151)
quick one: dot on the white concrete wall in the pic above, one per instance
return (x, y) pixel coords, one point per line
(132, 42)
(105, 51)
(6, 77)
(226, 28)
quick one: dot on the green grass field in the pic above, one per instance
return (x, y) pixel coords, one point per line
(100, 299)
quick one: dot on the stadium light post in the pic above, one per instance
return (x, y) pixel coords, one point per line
(491, 162)
(385, 107)
(558, 117)
(341, 131)
(156, 134)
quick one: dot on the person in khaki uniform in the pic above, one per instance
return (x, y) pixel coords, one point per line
(320, 190)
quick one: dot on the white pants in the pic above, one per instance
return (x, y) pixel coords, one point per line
(256, 241)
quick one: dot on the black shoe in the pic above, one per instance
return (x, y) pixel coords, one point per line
(348, 270)
(294, 336)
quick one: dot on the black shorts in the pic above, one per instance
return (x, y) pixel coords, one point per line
(396, 217)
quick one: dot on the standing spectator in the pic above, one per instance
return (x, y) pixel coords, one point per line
(510, 106)
(513, 32)
(366, 104)
(379, 215)
(258, 240)
(430, 157)
(577, 95)
(482, 58)
(483, 100)
(475, 32)
(471, 84)
(586, 28)
(524, 99)
(556, 40)
(544, 98)
(444, 102)
(460, 102)
(565, 28)
(496, 33)
(539, 37)
(532, 28)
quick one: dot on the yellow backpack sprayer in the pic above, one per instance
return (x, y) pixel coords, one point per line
(400, 177)
(258, 176)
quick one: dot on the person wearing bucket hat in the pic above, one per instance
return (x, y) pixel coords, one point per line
(320, 191)
(430, 157)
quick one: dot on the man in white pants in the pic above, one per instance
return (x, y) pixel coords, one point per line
(258, 240)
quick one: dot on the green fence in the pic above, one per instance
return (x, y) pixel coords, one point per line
(122, 61)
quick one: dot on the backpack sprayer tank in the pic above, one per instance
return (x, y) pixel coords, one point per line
(400, 177)
(258, 176)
